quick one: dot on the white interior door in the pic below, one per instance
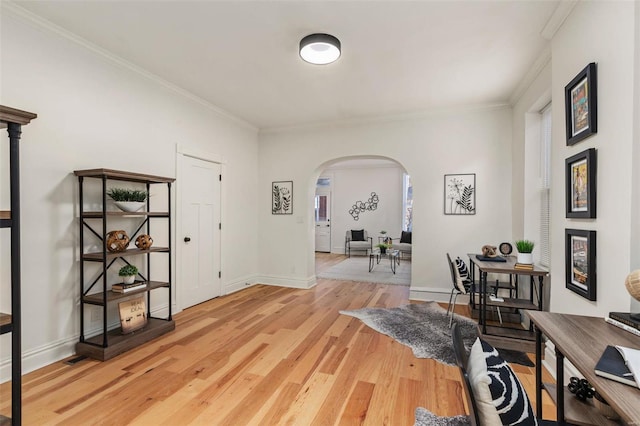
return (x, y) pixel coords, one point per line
(323, 222)
(200, 225)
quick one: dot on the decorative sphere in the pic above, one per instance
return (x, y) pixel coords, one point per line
(144, 241)
(632, 282)
(117, 241)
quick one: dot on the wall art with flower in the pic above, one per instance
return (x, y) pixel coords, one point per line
(282, 197)
(460, 194)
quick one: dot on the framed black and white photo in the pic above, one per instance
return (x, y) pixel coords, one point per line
(580, 178)
(282, 197)
(460, 194)
(581, 105)
(580, 259)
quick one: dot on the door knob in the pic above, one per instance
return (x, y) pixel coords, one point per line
(187, 239)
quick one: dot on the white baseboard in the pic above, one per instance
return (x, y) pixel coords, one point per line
(239, 284)
(549, 363)
(428, 294)
(283, 281)
(59, 350)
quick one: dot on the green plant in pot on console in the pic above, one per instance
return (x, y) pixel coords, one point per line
(383, 247)
(128, 273)
(525, 247)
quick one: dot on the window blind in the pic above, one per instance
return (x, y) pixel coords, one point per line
(545, 185)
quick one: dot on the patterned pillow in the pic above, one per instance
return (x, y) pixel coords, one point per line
(462, 269)
(497, 389)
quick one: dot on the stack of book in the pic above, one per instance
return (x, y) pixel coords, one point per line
(624, 321)
(523, 266)
(125, 288)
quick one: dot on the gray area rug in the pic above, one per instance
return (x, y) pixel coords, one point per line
(424, 327)
(425, 417)
(356, 268)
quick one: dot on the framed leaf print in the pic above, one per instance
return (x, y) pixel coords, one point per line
(460, 194)
(282, 197)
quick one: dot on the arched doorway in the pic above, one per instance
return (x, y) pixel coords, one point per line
(373, 193)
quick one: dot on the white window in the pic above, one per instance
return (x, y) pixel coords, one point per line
(545, 181)
(407, 203)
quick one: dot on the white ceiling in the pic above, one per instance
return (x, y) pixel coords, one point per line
(398, 57)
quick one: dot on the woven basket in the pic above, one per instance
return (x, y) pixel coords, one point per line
(633, 284)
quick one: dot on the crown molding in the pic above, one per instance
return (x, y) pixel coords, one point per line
(557, 18)
(32, 18)
(543, 60)
(378, 119)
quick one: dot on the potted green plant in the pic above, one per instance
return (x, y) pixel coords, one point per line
(128, 200)
(525, 249)
(383, 247)
(128, 274)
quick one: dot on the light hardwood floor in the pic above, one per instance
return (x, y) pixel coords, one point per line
(262, 356)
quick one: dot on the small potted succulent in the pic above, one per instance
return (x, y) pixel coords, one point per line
(128, 200)
(128, 274)
(525, 247)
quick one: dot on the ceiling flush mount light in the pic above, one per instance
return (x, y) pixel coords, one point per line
(320, 49)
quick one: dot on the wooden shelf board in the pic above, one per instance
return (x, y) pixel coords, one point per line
(97, 257)
(509, 338)
(119, 343)
(98, 215)
(5, 214)
(13, 115)
(509, 303)
(122, 175)
(578, 412)
(5, 318)
(97, 298)
(6, 323)
(5, 421)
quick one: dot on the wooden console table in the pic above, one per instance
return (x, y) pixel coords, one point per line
(582, 340)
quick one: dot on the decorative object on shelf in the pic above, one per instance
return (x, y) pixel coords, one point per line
(580, 262)
(460, 194)
(581, 388)
(359, 207)
(489, 251)
(580, 178)
(506, 249)
(581, 105)
(133, 315)
(117, 241)
(128, 200)
(128, 274)
(144, 242)
(632, 283)
(282, 197)
(525, 249)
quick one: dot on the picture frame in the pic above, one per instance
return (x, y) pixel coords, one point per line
(580, 262)
(580, 181)
(460, 194)
(282, 197)
(133, 315)
(581, 105)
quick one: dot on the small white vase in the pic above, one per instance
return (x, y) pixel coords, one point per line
(129, 206)
(525, 258)
(129, 279)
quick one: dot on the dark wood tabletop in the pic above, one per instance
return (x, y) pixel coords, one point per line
(582, 340)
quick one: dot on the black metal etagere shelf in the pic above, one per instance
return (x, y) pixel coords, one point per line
(13, 119)
(109, 343)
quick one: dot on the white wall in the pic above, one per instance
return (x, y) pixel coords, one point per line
(92, 113)
(428, 147)
(356, 184)
(609, 41)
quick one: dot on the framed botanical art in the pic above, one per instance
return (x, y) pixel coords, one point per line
(580, 260)
(282, 197)
(580, 177)
(581, 105)
(460, 194)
